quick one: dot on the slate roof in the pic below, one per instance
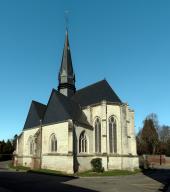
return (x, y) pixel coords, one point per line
(62, 108)
(95, 93)
(66, 68)
(41, 108)
(36, 112)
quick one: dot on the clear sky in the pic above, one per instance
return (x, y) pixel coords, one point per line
(125, 41)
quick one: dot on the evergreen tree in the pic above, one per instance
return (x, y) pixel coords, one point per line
(149, 139)
(7, 148)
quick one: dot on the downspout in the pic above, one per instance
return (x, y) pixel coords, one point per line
(15, 158)
(121, 139)
(74, 146)
(107, 140)
(40, 143)
(17, 146)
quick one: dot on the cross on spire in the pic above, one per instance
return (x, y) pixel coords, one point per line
(66, 20)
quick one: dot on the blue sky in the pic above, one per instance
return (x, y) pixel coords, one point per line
(126, 42)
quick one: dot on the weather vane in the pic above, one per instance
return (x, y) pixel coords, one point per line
(66, 19)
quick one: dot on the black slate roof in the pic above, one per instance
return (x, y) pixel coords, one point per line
(41, 108)
(36, 112)
(66, 63)
(95, 93)
(62, 108)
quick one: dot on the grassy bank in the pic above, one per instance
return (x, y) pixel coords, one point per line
(17, 168)
(81, 174)
(108, 173)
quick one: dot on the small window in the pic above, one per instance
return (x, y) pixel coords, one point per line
(82, 143)
(53, 143)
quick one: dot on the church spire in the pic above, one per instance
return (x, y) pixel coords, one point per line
(66, 75)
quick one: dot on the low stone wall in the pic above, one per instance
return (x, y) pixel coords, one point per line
(18, 161)
(167, 160)
(83, 163)
(127, 163)
(151, 160)
(156, 159)
(124, 163)
(66, 163)
(58, 163)
(27, 161)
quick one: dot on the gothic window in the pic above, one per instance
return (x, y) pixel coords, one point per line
(82, 143)
(31, 146)
(112, 135)
(53, 143)
(97, 135)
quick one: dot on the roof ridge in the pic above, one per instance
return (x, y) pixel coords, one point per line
(38, 103)
(40, 108)
(92, 84)
(95, 93)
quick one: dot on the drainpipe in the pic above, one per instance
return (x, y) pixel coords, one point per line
(40, 143)
(15, 157)
(107, 140)
(121, 136)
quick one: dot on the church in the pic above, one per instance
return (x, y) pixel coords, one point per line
(76, 126)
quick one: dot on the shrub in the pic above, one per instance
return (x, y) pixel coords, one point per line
(97, 165)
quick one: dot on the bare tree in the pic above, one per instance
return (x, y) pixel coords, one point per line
(154, 118)
(164, 133)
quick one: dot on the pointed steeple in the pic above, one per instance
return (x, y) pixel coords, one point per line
(66, 75)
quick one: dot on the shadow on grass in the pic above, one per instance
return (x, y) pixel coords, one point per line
(27, 181)
(159, 174)
(51, 173)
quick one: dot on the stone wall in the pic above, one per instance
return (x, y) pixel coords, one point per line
(58, 162)
(68, 134)
(61, 132)
(118, 163)
(126, 141)
(26, 135)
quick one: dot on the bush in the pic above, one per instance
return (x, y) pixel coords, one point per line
(97, 165)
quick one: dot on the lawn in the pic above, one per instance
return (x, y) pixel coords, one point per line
(89, 173)
(108, 173)
(18, 167)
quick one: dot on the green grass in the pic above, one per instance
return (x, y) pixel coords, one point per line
(18, 167)
(89, 173)
(108, 173)
(40, 171)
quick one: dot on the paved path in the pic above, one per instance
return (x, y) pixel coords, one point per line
(135, 183)
(22, 181)
(4, 165)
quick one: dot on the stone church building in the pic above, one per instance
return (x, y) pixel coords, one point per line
(76, 126)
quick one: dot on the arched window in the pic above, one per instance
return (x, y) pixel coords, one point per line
(82, 143)
(53, 143)
(97, 135)
(31, 146)
(112, 135)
